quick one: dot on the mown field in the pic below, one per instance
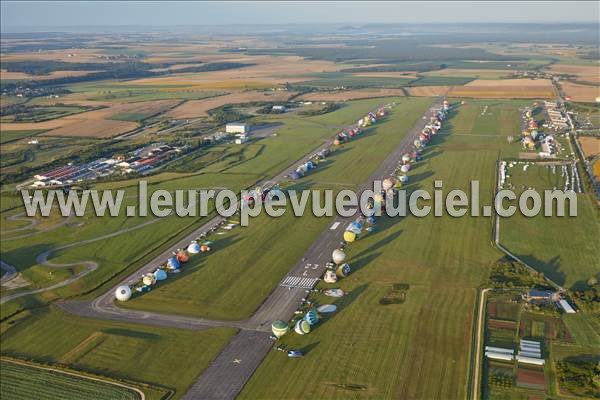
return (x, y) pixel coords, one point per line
(426, 338)
(166, 359)
(25, 383)
(215, 286)
(558, 246)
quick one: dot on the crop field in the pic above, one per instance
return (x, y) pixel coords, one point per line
(25, 382)
(505, 89)
(590, 145)
(440, 81)
(354, 82)
(585, 73)
(346, 95)
(428, 91)
(470, 73)
(5, 75)
(582, 93)
(199, 108)
(114, 350)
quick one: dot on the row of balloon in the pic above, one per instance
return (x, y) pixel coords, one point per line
(172, 265)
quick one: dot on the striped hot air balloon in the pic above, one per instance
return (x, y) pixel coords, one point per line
(343, 270)
(302, 327)
(279, 328)
(312, 317)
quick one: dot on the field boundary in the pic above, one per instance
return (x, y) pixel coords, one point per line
(59, 370)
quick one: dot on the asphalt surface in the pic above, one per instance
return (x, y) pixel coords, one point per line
(229, 372)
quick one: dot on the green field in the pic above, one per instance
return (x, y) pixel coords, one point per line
(338, 79)
(269, 247)
(29, 383)
(166, 359)
(10, 136)
(554, 245)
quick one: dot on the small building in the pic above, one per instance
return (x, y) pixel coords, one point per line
(566, 306)
(540, 296)
(237, 128)
(240, 139)
(278, 109)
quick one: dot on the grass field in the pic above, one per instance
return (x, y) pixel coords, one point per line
(554, 245)
(269, 247)
(10, 136)
(24, 383)
(114, 350)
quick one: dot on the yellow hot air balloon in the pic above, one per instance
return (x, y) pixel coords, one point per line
(349, 236)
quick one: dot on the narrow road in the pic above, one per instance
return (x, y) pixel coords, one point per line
(478, 345)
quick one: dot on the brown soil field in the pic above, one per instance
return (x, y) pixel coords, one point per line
(400, 74)
(596, 170)
(505, 88)
(501, 324)
(268, 71)
(96, 123)
(429, 91)
(480, 73)
(79, 55)
(199, 108)
(590, 145)
(4, 74)
(351, 94)
(582, 72)
(582, 93)
(531, 378)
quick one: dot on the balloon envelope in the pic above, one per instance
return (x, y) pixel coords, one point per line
(349, 236)
(312, 317)
(302, 327)
(160, 275)
(279, 328)
(338, 256)
(330, 277)
(343, 270)
(123, 293)
(193, 248)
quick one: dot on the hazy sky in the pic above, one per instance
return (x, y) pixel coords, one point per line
(19, 14)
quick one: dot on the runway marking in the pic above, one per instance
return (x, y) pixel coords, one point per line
(334, 226)
(298, 281)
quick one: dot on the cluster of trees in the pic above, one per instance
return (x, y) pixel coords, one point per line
(508, 274)
(588, 299)
(323, 110)
(580, 375)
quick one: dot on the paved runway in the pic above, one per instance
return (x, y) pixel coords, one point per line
(229, 372)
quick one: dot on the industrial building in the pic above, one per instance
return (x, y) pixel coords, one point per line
(237, 128)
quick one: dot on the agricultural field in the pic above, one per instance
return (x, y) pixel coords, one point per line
(113, 350)
(506, 89)
(26, 382)
(345, 95)
(582, 73)
(581, 93)
(590, 145)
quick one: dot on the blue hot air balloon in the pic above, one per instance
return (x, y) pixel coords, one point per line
(312, 317)
(172, 263)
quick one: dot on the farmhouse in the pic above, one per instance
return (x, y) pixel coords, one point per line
(540, 296)
(237, 128)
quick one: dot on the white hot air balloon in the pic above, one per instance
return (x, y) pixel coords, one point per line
(338, 256)
(123, 293)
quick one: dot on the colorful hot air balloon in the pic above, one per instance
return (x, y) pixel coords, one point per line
(405, 168)
(312, 317)
(279, 328)
(349, 236)
(149, 279)
(193, 248)
(387, 184)
(160, 274)
(338, 256)
(330, 276)
(173, 263)
(182, 257)
(123, 293)
(204, 248)
(343, 270)
(302, 327)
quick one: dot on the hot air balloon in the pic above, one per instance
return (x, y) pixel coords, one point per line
(405, 168)
(378, 199)
(160, 274)
(193, 248)
(349, 236)
(343, 270)
(312, 317)
(182, 257)
(279, 328)
(338, 256)
(406, 158)
(173, 263)
(149, 279)
(204, 248)
(302, 327)
(403, 178)
(417, 143)
(330, 277)
(123, 293)
(387, 184)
